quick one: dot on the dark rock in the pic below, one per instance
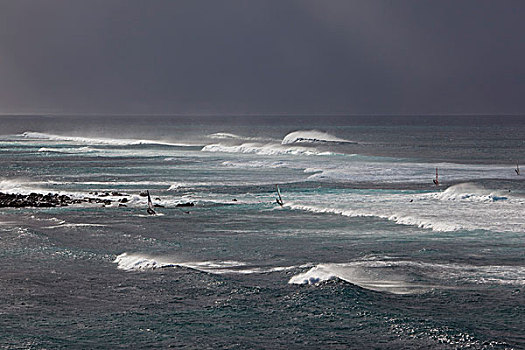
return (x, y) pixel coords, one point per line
(158, 206)
(124, 200)
(44, 201)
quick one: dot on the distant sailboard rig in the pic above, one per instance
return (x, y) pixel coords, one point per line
(517, 170)
(280, 199)
(436, 180)
(150, 209)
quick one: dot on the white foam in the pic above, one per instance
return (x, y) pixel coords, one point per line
(436, 224)
(21, 186)
(312, 136)
(358, 274)
(405, 277)
(188, 185)
(142, 262)
(263, 149)
(67, 150)
(470, 192)
(230, 136)
(64, 224)
(424, 210)
(132, 262)
(364, 170)
(112, 183)
(256, 164)
(97, 140)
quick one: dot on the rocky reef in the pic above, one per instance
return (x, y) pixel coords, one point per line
(39, 200)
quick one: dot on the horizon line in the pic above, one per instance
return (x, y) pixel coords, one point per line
(61, 114)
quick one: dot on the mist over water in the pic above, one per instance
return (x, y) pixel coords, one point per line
(366, 251)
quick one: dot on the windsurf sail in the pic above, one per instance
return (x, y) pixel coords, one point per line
(436, 180)
(517, 170)
(280, 199)
(150, 209)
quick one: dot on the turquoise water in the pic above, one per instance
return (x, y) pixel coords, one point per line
(365, 253)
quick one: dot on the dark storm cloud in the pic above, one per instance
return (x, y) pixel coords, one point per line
(236, 57)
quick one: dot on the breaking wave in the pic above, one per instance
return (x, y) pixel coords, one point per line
(469, 192)
(187, 185)
(21, 186)
(142, 262)
(267, 149)
(229, 136)
(426, 223)
(67, 150)
(97, 140)
(255, 164)
(312, 136)
(407, 277)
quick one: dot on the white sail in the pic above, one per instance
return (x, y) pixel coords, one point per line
(280, 200)
(150, 203)
(150, 210)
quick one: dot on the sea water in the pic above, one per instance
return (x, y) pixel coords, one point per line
(366, 252)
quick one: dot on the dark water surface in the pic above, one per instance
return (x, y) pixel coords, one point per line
(365, 253)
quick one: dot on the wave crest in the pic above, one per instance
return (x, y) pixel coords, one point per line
(266, 149)
(425, 223)
(132, 262)
(67, 150)
(230, 136)
(407, 277)
(96, 140)
(142, 262)
(312, 136)
(469, 192)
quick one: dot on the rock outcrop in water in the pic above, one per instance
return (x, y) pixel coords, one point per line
(35, 200)
(38, 200)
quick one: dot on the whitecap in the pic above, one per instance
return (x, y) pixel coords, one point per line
(97, 140)
(407, 277)
(469, 192)
(264, 149)
(67, 150)
(312, 136)
(230, 136)
(144, 262)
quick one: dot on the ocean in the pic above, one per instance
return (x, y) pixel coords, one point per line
(366, 252)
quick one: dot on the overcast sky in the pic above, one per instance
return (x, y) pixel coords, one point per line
(262, 57)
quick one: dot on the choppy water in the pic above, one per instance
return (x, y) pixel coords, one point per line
(365, 253)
